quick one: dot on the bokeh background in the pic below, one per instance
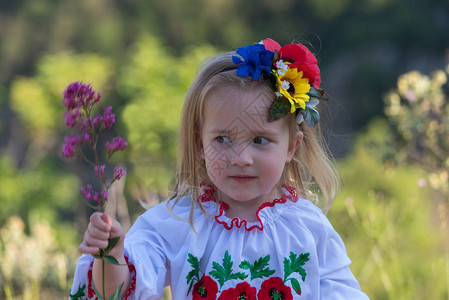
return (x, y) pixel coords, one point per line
(384, 65)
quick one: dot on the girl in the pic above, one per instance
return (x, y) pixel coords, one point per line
(238, 225)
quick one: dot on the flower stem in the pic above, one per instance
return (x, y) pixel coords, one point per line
(100, 182)
(104, 289)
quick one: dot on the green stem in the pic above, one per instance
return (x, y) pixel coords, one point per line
(100, 182)
(102, 269)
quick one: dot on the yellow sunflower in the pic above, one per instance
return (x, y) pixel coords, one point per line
(294, 87)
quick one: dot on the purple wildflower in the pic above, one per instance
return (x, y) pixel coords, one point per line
(105, 195)
(79, 100)
(117, 143)
(108, 118)
(101, 173)
(78, 95)
(95, 120)
(71, 143)
(119, 173)
(90, 194)
(71, 117)
(68, 150)
(86, 138)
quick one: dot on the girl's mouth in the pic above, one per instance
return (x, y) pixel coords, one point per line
(242, 178)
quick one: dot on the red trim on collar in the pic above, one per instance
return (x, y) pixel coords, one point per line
(208, 195)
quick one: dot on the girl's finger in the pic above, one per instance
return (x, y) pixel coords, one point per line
(97, 220)
(98, 233)
(84, 248)
(106, 219)
(91, 241)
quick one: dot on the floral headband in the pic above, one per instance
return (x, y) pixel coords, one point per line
(293, 73)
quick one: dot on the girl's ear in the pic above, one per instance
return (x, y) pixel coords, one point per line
(294, 144)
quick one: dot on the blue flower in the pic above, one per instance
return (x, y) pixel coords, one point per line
(256, 59)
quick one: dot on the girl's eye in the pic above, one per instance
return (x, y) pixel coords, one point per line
(223, 139)
(260, 140)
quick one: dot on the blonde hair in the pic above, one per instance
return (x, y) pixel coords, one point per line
(311, 164)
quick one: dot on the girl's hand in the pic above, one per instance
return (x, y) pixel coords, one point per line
(101, 228)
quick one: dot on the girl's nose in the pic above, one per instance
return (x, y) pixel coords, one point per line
(241, 156)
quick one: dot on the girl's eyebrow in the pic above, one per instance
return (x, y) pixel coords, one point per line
(229, 131)
(218, 130)
(266, 132)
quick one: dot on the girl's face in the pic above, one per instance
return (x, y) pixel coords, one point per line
(245, 154)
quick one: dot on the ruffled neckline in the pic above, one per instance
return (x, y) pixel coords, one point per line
(265, 211)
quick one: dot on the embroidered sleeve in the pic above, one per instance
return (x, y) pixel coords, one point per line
(82, 289)
(132, 283)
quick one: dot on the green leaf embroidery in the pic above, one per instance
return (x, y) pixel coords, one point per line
(303, 274)
(296, 286)
(194, 273)
(294, 265)
(224, 272)
(258, 270)
(79, 293)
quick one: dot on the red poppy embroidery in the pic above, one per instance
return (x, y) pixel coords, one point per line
(243, 291)
(206, 288)
(274, 288)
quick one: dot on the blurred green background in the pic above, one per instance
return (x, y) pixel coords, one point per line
(384, 65)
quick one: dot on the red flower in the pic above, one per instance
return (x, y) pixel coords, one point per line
(302, 59)
(243, 291)
(206, 288)
(271, 45)
(274, 288)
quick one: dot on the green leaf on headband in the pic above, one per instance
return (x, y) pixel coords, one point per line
(319, 94)
(311, 116)
(276, 56)
(278, 109)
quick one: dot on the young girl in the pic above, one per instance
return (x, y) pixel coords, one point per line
(238, 225)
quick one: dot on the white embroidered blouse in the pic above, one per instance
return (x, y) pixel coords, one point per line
(291, 252)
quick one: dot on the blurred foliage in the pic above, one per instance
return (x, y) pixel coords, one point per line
(53, 73)
(33, 183)
(392, 234)
(143, 55)
(351, 31)
(155, 89)
(32, 263)
(418, 111)
(35, 190)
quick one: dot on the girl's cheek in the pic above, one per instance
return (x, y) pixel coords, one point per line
(214, 152)
(217, 163)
